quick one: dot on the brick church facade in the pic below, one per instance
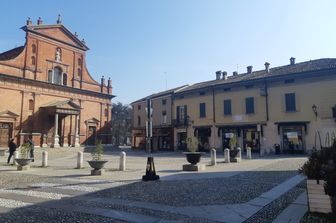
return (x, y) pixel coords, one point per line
(48, 94)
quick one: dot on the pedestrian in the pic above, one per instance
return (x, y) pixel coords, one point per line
(31, 144)
(12, 147)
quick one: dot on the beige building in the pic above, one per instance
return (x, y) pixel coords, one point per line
(283, 105)
(161, 121)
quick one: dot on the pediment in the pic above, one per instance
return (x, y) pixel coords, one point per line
(58, 33)
(92, 120)
(8, 115)
(67, 104)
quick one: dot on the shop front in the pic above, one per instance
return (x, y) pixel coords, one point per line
(203, 134)
(242, 136)
(163, 139)
(292, 136)
(182, 139)
(139, 138)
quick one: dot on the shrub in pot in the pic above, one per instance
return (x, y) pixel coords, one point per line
(97, 163)
(24, 160)
(193, 156)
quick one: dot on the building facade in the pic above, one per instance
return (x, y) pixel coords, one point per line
(293, 106)
(289, 105)
(48, 94)
(162, 125)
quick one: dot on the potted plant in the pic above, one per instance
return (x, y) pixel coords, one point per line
(233, 148)
(24, 152)
(97, 163)
(321, 179)
(193, 157)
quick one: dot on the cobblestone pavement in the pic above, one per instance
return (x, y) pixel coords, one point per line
(28, 197)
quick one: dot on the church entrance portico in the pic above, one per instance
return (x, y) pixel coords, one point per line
(65, 126)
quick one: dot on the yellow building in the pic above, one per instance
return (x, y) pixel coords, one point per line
(161, 121)
(283, 105)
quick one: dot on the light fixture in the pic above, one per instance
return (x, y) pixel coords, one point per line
(314, 108)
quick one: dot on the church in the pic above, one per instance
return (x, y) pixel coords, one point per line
(47, 93)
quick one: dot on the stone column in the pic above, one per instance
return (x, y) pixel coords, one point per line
(227, 155)
(56, 136)
(248, 153)
(213, 157)
(76, 141)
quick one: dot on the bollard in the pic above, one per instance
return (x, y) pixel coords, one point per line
(248, 153)
(213, 157)
(122, 163)
(16, 156)
(44, 159)
(79, 160)
(238, 158)
(227, 155)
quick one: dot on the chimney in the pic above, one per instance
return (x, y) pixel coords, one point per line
(102, 84)
(267, 67)
(249, 69)
(39, 21)
(29, 22)
(235, 73)
(218, 74)
(292, 61)
(109, 86)
(59, 19)
(224, 75)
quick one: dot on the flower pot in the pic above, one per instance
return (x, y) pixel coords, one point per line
(318, 201)
(193, 157)
(23, 161)
(97, 164)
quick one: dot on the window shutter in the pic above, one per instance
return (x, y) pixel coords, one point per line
(177, 113)
(185, 115)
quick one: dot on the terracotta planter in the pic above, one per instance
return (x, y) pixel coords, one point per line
(97, 164)
(23, 161)
(193, 157)
(318, 201)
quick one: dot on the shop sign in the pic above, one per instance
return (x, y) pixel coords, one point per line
(229, 135)
(292, 135)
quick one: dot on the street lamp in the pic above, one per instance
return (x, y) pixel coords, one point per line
(314, 108)
(150, 168)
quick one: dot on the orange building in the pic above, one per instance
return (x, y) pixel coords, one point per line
(48, 94)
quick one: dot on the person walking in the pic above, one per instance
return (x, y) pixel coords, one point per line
(12, 147)
(31, 144)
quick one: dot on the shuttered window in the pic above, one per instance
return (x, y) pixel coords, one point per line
(202, 110)
(249, 104)
(290, 102)
(227, 107)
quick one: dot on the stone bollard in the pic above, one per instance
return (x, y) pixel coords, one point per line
(227, 155)
(79, 160)
(44, 159)
(213, 157)
(238, 157)
(248, 153)
(122, 163)
(16, 156)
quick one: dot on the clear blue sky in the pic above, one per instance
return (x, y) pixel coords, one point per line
(145, 46)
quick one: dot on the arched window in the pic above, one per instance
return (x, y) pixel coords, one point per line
(33, 60)
(65, 79)
(33, 48)
(57, 76)
(31, 105)
(79, 72)
(79, 62)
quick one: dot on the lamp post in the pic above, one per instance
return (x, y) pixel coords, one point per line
(150, 168)
(314, 108)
